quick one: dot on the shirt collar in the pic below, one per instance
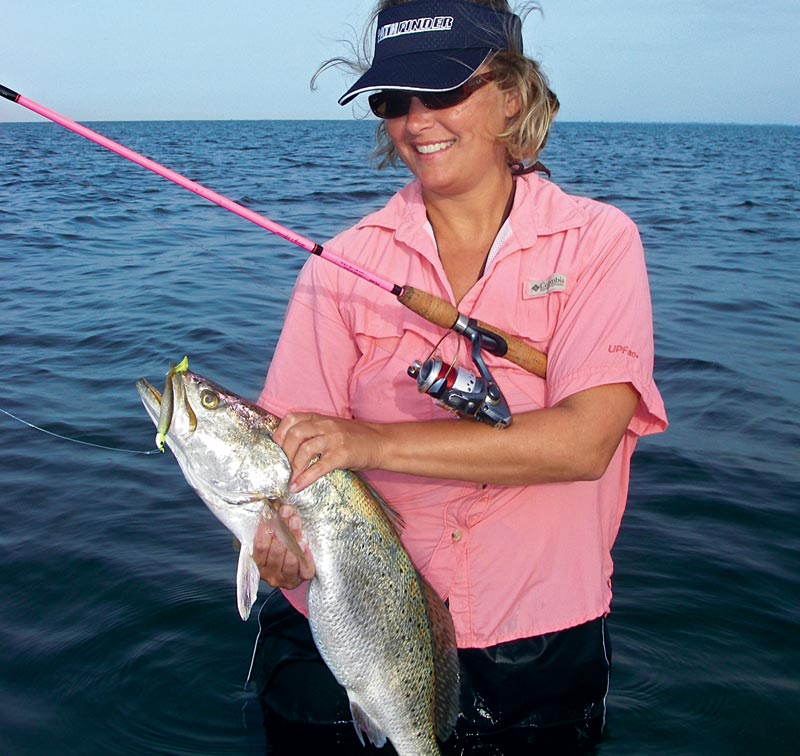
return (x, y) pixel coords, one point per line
(540, 209)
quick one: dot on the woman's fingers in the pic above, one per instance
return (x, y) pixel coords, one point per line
(317, 444)
(277, 564)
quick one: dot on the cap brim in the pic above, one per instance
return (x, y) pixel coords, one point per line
(434, 71)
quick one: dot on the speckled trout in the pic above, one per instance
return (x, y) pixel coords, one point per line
(381, 629)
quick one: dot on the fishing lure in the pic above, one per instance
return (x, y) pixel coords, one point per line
(168, 403)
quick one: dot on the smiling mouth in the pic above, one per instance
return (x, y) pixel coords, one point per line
(429, 149)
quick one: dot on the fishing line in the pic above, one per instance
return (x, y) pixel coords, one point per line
(150, 217)
(267, 599)
(50, 228)
(76, 440)
(129, 202)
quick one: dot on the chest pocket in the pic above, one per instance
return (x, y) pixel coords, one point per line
(380, 388)
(531, 318)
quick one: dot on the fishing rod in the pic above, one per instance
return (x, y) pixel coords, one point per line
(440, 381)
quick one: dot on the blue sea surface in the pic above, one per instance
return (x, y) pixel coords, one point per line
(118, 624)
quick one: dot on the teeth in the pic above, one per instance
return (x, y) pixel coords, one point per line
(427, 149)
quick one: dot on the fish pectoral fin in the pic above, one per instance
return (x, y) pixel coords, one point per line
(364, 724)
(247, 579)
(281, 529)
(270, 512)
(240, 499)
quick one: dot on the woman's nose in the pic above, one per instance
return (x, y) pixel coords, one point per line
(418, 114)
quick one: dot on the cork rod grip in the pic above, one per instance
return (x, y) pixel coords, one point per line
(443, 314)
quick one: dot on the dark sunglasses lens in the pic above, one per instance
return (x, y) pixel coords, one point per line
(442, 100)
(390, 103)
(394, 103)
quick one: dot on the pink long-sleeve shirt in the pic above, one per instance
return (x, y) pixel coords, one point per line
(565, 274)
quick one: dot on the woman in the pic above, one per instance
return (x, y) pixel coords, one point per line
(512, 527)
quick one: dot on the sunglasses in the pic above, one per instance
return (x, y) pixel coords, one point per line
(395, 103)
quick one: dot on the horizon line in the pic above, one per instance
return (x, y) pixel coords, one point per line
(376, 122)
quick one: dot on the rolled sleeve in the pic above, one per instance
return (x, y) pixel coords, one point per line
(315, 353)
(605, 332)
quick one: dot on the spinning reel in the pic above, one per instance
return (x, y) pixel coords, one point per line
(460, 390)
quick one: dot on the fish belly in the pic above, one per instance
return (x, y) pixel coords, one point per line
(370, 624)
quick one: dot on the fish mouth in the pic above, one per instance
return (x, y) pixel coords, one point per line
(151, 398)
(161, 406)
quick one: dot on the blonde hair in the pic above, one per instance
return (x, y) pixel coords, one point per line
(525, 134)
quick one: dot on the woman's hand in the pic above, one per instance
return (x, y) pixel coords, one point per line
(316, 444)
(280, 567)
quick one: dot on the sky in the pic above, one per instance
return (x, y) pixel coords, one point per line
(721, 61)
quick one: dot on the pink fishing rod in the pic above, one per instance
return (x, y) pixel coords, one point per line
(431, 308)
(200, 190)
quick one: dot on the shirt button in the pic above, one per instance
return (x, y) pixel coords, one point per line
(456, 535)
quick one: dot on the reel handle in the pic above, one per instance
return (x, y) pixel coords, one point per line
(443, 314)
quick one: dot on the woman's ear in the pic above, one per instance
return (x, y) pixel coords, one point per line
(513, 103)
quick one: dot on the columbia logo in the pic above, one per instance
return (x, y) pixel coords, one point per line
(557, 282)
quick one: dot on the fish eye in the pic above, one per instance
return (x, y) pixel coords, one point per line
(209, 399)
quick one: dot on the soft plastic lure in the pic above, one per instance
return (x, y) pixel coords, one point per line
(168, 404)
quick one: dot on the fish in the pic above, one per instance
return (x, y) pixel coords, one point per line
(382, 630)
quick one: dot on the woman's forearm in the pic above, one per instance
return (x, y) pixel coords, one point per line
(574, 440)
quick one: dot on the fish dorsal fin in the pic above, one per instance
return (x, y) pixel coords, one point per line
(395, 518)
(445, 662)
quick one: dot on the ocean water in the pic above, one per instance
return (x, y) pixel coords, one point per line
(118, 626)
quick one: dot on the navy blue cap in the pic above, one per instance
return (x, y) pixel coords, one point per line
(435, 45)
